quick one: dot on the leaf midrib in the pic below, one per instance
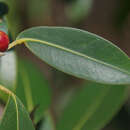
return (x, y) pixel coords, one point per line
(14, 98)
(25, 40)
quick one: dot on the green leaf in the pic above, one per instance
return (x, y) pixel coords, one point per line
(79, 53)
(33, 89)
(15, 116)
(92, 107)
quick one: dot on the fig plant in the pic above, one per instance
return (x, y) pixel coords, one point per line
(75, 52)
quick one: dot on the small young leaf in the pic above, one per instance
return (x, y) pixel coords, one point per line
(78, 53)
(15, 116)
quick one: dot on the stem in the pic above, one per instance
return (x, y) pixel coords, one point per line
(5, 90)
(14, 43)
(23, 40)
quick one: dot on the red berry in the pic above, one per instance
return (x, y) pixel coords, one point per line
(4, 41)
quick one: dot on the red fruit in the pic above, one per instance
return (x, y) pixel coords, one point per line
(4, 41)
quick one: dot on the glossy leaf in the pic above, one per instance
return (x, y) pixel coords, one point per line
(33, 89)
(15, 116)
(78, 53)
(92, 107)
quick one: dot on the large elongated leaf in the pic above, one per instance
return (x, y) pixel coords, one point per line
(33, 89)
(92, 107)
(78, 53)
(15, 116)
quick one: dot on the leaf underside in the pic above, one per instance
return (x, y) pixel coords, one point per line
(79, 53)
